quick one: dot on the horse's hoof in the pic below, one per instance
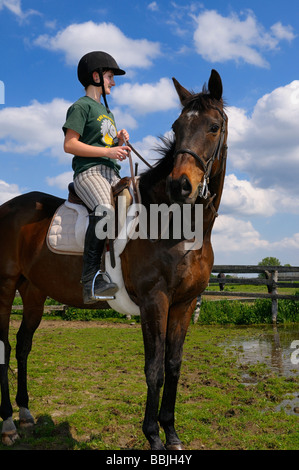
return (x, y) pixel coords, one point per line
(26, 423)
(174, 447)
(9, 438)
(26, 418)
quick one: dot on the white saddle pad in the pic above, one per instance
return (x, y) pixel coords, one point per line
(66, 233)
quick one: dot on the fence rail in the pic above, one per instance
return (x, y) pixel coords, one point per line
(47, 308)
(287, 274)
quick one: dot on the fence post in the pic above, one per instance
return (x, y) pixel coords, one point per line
(197, 309)
(274, 278)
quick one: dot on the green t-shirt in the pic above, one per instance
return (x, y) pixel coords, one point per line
(96, 127)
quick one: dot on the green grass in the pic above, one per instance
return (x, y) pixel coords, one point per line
(87, 391)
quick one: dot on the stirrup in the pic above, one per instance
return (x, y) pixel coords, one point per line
(101, 297)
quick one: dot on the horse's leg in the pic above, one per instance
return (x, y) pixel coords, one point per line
(178, 322)
(154, 321)
(7, 293)
(33, 306)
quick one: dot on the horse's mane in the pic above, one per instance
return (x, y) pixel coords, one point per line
(163, 166)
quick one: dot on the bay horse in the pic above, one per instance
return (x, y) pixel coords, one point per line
(163, 277)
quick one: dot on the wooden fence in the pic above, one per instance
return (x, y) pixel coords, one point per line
(275, 277)
(47, 308)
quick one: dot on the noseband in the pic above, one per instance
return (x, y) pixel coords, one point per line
(207, 165)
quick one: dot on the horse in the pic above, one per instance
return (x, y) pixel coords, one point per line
(163, 277)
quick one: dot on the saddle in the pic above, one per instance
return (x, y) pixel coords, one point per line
(66, 236)
(67, 230)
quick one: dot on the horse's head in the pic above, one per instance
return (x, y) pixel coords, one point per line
(200, 136)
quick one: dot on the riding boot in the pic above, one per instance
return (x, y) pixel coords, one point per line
(93, 250)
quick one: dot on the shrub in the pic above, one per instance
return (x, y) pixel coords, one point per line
(239, 313)
(72, 313)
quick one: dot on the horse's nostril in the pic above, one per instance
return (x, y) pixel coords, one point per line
(178, 189)
(186, 187)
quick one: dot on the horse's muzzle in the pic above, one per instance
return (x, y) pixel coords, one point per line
(178, 190)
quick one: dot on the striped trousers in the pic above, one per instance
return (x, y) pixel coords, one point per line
(93, 186)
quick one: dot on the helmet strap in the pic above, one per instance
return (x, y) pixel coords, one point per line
(101, 84)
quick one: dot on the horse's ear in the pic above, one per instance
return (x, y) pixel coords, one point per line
(215, 85)
(181, 91)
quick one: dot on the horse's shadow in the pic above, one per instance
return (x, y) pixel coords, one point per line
(44, 435)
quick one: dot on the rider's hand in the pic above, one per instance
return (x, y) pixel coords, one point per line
(119, 152)
(123, 136)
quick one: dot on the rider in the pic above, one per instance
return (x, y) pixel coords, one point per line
(91, 136)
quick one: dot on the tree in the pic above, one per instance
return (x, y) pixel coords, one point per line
(268, 261)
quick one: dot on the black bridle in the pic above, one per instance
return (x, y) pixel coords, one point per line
(207, 165)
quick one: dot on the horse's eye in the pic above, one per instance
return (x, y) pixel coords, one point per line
(214, 128)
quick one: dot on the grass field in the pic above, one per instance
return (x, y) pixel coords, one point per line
(261, 289)
(87, 391)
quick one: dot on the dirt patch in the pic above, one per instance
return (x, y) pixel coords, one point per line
(50, 324)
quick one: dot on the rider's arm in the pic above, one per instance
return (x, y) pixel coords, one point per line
(74, 146)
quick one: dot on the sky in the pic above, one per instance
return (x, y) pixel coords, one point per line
(254, 46)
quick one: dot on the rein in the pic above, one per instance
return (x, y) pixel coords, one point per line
(207, 166)
(136, 195)
(138, 154)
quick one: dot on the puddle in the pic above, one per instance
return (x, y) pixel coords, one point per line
(275, 346)
(290, 404)
(278, 348)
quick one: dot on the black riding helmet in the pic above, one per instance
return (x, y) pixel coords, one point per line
(97, 61)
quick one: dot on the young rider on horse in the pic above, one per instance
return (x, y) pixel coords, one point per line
(91, 136)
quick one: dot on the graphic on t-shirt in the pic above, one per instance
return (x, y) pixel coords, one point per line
(108, 130)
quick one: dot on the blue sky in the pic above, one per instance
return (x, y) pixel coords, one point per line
(254, 46)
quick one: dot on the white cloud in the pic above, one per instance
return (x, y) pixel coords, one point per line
(289, 242)
(124, 119)
(148, 97)
(243, 198)
(8, 191)
(232, 234)
(236, 241)
(265, 145)
(12, 5)
(39, 128)
(78, 39)
(60, 181)
(153, 6)
(240, 196)
(15, 7)
(220, 39)
(282, 32)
